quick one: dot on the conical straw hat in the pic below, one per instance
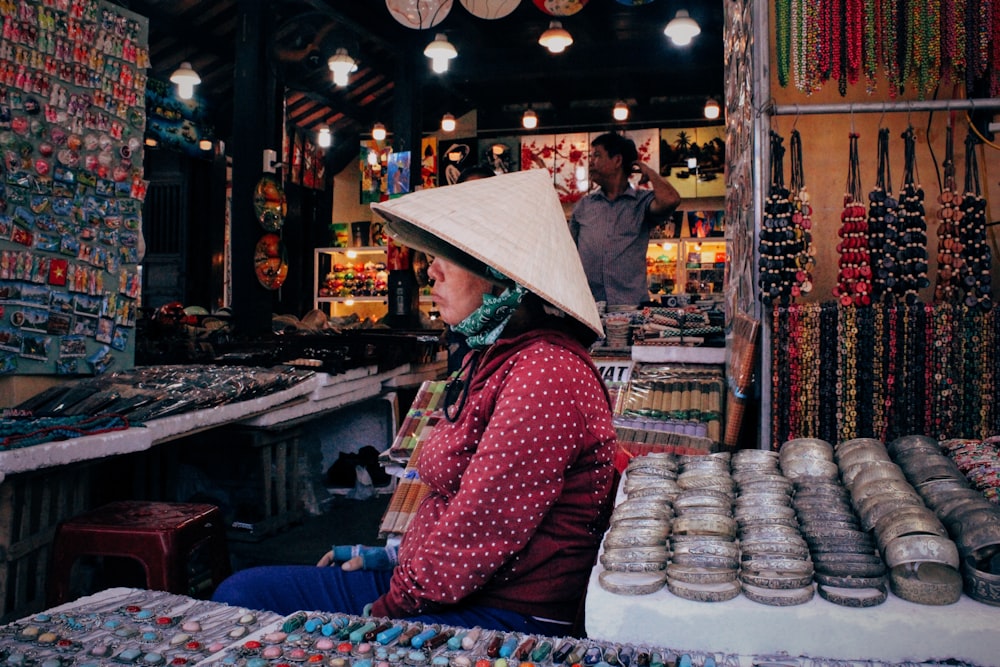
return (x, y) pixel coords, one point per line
(512, 222)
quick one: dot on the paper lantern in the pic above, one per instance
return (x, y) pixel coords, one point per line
(560, 7)
(419, 14)
(490, 9)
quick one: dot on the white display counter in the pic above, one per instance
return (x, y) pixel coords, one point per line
(896, 631)
(313, 396)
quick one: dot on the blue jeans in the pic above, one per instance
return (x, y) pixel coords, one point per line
(284, 589)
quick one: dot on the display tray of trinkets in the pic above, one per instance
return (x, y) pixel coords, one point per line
(124, 626)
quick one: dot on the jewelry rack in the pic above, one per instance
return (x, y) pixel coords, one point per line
(884, 107)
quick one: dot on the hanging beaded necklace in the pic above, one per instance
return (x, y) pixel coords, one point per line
(912, 255)
(864, 375)
(854, 275)
(994, 41)
(809, 393)
(828, 342)
(852, 41)
(946, 288)
(779, 393)
(778, 240)
(807, 44)
(987, 347)
(975, 250)
(783, 38)
(847, 368)
(793, 381)
(802, 246)
(941, 349)
(883, 232)
(878, 370)
(890, 51)
(870, 51)
(983, 32)
(953, 38)
(927, 349)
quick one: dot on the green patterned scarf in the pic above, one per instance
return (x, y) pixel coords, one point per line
(485, 324)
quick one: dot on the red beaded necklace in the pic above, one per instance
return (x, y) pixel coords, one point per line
(853, 39)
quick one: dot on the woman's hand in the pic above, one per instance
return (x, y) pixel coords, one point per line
(358, 557)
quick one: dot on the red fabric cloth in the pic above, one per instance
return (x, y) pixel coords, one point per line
(521, 488)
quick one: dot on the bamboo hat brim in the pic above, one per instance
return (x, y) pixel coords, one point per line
(512, 222)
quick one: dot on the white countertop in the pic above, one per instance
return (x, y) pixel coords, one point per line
(895, 631)
(314, 395)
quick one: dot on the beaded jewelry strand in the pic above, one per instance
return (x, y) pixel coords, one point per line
(783, 38)
(890, 51)
(975, 257)
(779, 244)
(878, 370)
(883, 232)
(912, 254)
(872, 44)
(802, 247)
(854, 275)
(946, 287)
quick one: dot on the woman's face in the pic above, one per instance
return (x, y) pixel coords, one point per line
(456, 292)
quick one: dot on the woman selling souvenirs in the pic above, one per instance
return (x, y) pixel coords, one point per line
(520, 472)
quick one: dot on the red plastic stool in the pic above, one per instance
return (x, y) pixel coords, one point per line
(174, 543)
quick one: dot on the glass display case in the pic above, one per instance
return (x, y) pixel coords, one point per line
(686, 266)
(355, 280)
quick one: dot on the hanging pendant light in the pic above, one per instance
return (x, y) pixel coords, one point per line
(556, 38)
(186, 79)
(342, 64)
(448, 123)
(440, 51)
(324, 138)
(620, 112)
(378, 132)
(529, 120)
(682, 28)
(712, 109)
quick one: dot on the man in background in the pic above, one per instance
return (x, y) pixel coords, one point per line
(611, 225)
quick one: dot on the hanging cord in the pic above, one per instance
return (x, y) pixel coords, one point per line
(456, 392)
(975, 130)
(854, 167)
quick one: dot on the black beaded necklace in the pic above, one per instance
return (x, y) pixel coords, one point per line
(912, 254)
(883, 233)
(975, 270)
(777, 235)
